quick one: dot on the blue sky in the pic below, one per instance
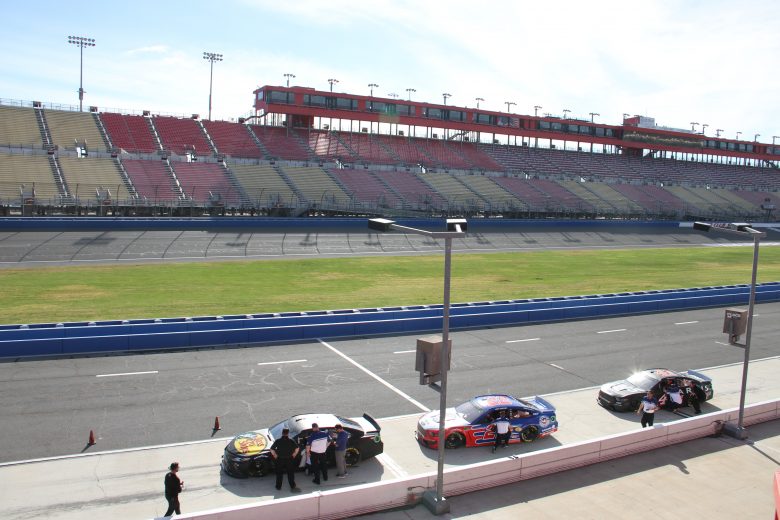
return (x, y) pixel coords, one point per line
(711, 62)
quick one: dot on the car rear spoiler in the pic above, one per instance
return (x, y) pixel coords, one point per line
(698, 374)
(372, 421)
(544, 402)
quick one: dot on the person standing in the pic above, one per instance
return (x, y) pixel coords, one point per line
(173, 486)
(316, 446)
(340, 441)
(647, 408)
(284, 450)
(501, 425)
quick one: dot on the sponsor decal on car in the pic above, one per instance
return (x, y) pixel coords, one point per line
(250, 443)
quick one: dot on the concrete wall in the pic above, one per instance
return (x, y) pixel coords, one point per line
(399, 492)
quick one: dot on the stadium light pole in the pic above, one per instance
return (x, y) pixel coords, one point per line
(625, 116)
(738, 134)
(704, 127)
(745, 231)
(393, 95)
(755, 137)
(592, 114)
(445, 96)
(508, 105)
(456, 228)
(409, 92)
(372, 86)
(565, 112)
(332, 81)
(82, 42)
(478, 100)
(536, 109)
(289, 75)
(693, 126)
(718, 131)
(211, 57)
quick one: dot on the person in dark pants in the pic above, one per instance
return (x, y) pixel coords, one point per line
(316, 446)
(340, 441)
(502, 426)
(173, 486)
(284, 450)
(648, 407)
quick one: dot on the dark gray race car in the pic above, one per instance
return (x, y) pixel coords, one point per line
(626, 394)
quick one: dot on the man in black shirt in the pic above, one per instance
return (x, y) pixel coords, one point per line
(284, 450)
(173, 486)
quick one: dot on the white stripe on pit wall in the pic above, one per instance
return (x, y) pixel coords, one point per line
(128, 374)
(388, 385)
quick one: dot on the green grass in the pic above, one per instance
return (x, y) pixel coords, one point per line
(197, 289)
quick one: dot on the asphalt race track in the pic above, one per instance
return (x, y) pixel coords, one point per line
(49, 406)
(27, 249)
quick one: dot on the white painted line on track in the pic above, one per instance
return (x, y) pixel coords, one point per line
(392, 465)
(281, 362)
(556, 366)
(128, 374)
(687, 322)
(367, 371)
(610, 331)
(404, 351)
(522, 340)
(724, 344)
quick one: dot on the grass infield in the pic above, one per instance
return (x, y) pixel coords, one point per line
(199, 289)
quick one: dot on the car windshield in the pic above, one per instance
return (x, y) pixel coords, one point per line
(469, 411)
(643, 380)
(276, 430)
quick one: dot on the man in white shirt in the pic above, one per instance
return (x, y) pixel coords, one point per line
(501, 425)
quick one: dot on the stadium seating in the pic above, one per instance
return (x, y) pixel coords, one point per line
(264, 186)
(69, 129)
(368, 150)
(366, 188)
(19, 128)
(280, 145)
(441, 155)
(181, 136)
(404, 149)
(316, 186)
(417, 195)
(232, 139)
(86, 175)
(457, 194)
(129, 133)
(28, 171)
(326, 145)
(198, 180)
(497, 197)
(152, 180)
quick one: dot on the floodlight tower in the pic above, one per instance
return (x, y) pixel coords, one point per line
(82, 42)
(372, 86)
(445, 96)
(211, 57)
(410, 90)
(478, 100)
(289, 75)
(332, 81)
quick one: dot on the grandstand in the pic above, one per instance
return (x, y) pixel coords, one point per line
(467, 168)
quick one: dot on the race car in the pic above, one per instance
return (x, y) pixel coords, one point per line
(470, 423)
(626, 394)
(249, 455)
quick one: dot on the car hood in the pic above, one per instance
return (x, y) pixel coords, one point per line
(430, 420)
(621, 388)
(251, 443)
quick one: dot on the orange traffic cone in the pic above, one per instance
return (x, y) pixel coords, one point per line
(91, 441)
(216, 424)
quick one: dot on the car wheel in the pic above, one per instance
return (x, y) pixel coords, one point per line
(258, 469)
(352, 456)
(530, 433)
(454, 441)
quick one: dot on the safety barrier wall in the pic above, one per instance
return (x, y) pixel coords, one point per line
(303, 225)
(405, 491)
(173, 333)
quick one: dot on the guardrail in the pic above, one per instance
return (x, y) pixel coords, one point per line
(49, 339)
(390, 494)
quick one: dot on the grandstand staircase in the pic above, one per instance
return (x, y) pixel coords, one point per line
(305, 144)
(354, 156)
(258, 142)
(292, 186)
(387, 149)
(581, 190)
(103, 132)
(392, 190)
(212, 145)
(62, 185)
(242, 195)
(48, 144)
(477, 196)
(432, 162)
(126, 178)
(175, 184)
(153, 130)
